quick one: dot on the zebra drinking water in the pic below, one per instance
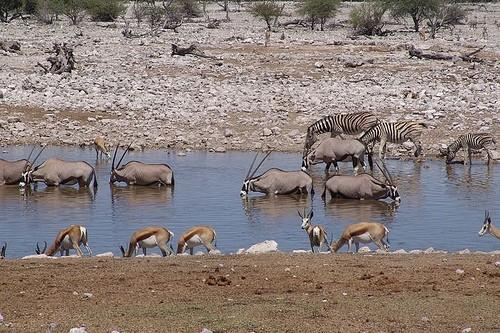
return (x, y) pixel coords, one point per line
(468, 142)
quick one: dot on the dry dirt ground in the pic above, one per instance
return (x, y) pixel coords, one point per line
(260, 293)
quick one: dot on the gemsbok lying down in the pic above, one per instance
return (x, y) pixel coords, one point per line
(69, 238)
(196, 236)
(276, 181)
(138, 173)
(147, 238)
(317, 234)
(488, 227)
(333, 150)
(364, 232)
(11, 172)
(2, 251)
(55, 172)
(100, 146)
(362, 187)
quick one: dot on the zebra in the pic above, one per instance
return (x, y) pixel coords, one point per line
(348, 123)
(395, 132)
(468, 142)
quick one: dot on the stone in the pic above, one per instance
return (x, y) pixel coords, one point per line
(87, 295)
(364, 249)
(105, 254)
(266, 246)
(429, 250)
(13, 119)
(267, 132)
(318, 64)
(78, 330)
(425, 319)
(497, 263)
(206, 330)
(467, 330)
(400, 251)
(460, 271)
(228, 133)
(465, 251)
(220, 149)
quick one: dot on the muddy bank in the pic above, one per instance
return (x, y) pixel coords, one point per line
(261, 293)
(255, 97)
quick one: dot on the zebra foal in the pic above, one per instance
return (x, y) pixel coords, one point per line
(395, 132)
(468, 142)
(348, 123)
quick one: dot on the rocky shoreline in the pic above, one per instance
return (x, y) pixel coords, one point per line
(255, 97)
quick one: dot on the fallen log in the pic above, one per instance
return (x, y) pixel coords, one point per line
(14, 47)
(63, 60)
(193, 50)
(468, 57)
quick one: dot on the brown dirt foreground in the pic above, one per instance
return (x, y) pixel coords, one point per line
(261, 293)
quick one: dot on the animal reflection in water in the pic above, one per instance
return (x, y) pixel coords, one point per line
(141, 195)
(351, 210)
(62, 196)
(139, 173)
(276, 181)
(273, 207)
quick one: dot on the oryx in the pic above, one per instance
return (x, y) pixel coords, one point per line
(69, 238)
(11, 172)
(276, 181)
(139, 173)
(55, 172)
(333, 150)
(147, 238)
(363, 186)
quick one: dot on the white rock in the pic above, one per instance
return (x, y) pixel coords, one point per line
(228, 133)
(206, 330)
(400, 251)
(318, 64)
(220, 149)
(460, 271)
(495, 252)
(38, 256)
(215, 252)
(78, 330)
(240, 251)
(301, 251)
(267, 132)
(467, 330)
(105, 254)
(266, 246)
(87, 295)
(364, 249)
(497, 263)
(425, 319)
(465, 251)
(429, 250)
(416, 251)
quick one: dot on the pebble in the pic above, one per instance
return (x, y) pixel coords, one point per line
(78, 330)
(460, 271)
(206, 330)
(497, 263)
(87, 295)
(467, 330)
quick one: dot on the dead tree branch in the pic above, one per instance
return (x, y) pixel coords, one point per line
(193, 50)
(14, 47)
(62, 61)
(468, 57)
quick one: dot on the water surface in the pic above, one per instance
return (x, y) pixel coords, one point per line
(442, 206)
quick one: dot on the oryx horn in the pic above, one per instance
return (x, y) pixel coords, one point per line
(37, 250)
(124, 153)
(385, 172)
(29, 156)
(36, 157)
(258, 166)
(251, 166)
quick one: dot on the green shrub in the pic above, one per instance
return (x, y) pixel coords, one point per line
(367, 18)
(105, 10)
(415, 9)
(444, 15)
(74, 10)
(318, 11)
(47, 11)
(187, 8)
(266, 10)
(10, 9)
(30, 6)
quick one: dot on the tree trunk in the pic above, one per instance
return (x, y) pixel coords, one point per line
(416, 23)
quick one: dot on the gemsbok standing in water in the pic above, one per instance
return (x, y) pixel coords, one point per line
(11, 172)
(276, 181)
(2, 251)
(67, 239)
(101, 147)
(362, 187)
(147, 238)
(55, 172)
(364, 232)
(317, 233)
(488, 227)
(138, 173)
(347, 123)
(396, 132)
(197, 236)
(468, 142)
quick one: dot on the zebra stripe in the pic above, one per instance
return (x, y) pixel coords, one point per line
(395, 132)
(348, 123)
(470, 141)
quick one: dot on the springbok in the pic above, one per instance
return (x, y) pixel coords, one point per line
(11, 172)
(317, 234)
(69, 238)
(364, 232)
(488, 227)
(2, 251)
(196, 236)
(333, 150)
(147, 238)
(138, 173)
(100, 146)
(276, 181)
(362, 187)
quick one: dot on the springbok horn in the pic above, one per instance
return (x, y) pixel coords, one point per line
(305, 213)
(300, 214)
(124, 153)
(258, 166)
(114, 157)
(37, 250)
(123, 250)
(251, 166)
